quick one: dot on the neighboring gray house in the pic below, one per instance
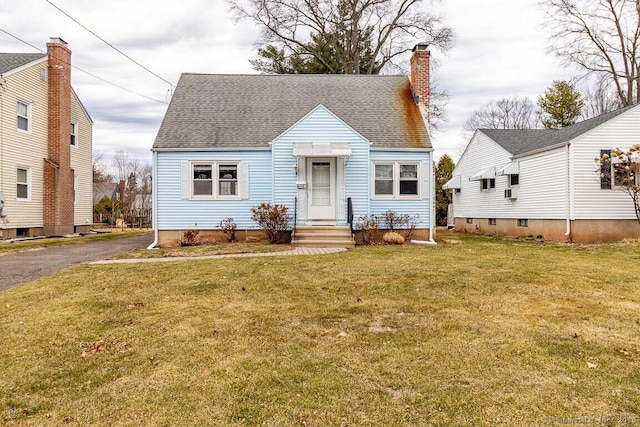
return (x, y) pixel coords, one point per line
(325, 146)
(545, 181)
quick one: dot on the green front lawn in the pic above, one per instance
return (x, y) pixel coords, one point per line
(476, 331)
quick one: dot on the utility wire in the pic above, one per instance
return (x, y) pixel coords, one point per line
(109, 44)
(87, 72)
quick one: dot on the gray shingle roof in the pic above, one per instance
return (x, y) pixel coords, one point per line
(522, 141)
(227, 111)
(10, 61)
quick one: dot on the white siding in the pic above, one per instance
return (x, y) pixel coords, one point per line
(176, 213)
(481, 153)
(541, 194)
(543, 187)
(590, 201)
(321, 126)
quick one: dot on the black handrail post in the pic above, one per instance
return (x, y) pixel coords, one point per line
(350, 213)
(295, 216)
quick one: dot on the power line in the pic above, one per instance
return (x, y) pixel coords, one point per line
(87, 72)
(109, 44)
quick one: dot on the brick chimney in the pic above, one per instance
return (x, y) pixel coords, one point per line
(58, 209)
(420, 81)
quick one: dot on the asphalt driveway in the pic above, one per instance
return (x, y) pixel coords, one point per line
(27, 266)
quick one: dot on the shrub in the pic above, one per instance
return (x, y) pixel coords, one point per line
(394, 221)
(189, 237)
(229, 229)
(393, 238)
(368, 226)
(273, 219)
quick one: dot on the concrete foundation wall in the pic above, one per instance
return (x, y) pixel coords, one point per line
(172, 238)
(582, 231)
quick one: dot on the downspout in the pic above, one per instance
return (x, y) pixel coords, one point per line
(154, 203)
(568, 220)
(432, 201)
(432, 209)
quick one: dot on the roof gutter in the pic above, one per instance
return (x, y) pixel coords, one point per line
(432, 210)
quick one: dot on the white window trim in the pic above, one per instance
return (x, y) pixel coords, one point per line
(215, 180)
(396, 182)
(509, 185)
(28, 183)
(28, 117)
(75, 133)
(489, 187)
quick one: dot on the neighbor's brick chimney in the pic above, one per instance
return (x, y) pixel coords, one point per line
(58, 209)
(420, 70)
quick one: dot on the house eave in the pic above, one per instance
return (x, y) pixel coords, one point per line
(183, 149)
(421, 150)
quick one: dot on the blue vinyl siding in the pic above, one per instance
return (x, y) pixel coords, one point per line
(422, 206)
(321, 126)
(175, 213)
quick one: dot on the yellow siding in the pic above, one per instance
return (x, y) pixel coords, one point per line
(81, 162)
(18, 148)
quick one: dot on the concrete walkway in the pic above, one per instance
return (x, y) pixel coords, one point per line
(296, 251)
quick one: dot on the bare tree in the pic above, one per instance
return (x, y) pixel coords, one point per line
(102, 180)
(599, 99)
(600, 36)
(126, 170)
(388, 28)
(505, 113)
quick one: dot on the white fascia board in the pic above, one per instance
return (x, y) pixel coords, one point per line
(169, 150)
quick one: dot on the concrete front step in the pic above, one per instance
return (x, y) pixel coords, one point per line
(323, 237)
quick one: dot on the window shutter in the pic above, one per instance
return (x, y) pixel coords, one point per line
(426, 180)
(184, 180)
(605, 171)
(243, 173)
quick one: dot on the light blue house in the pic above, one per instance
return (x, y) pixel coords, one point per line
(331, 148)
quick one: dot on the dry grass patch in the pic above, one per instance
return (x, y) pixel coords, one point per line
(483, 332)
(204, 250)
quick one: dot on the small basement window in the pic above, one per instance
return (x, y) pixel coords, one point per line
(469, 220)
(523, 222)
(492, 221)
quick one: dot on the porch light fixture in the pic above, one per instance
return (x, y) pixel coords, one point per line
(295, 168)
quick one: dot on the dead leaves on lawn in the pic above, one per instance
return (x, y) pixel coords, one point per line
(93, 348)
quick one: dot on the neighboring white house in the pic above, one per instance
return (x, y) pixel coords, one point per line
(46, 168)
(546, 181)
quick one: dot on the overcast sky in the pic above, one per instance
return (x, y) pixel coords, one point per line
(500, 52)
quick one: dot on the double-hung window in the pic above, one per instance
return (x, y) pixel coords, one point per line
(23, 112)
(614, 173)
(215, 180)
(488, 184)
(74, 134)
(23, 185)
(396, 180)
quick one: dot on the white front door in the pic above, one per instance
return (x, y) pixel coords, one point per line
(321, 182)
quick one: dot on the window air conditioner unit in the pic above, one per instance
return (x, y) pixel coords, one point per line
(511, 193)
